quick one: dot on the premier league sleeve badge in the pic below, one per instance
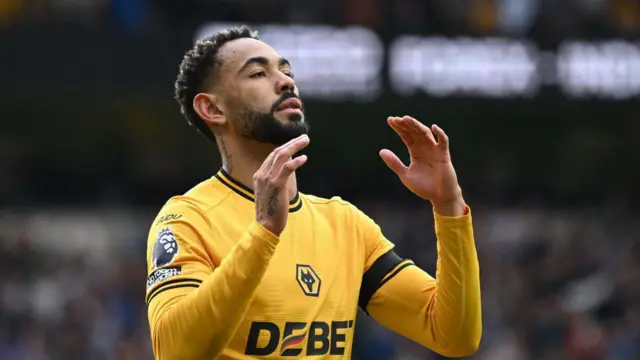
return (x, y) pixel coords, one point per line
(165, 249)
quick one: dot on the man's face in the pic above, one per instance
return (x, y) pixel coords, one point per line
(262, 100)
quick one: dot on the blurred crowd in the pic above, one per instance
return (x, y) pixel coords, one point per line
(532, 18)
(556, 284)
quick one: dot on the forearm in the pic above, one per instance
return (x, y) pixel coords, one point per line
(200, 325)
(444, 314)
(456, 314)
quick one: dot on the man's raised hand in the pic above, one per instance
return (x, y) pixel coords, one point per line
(270, 181)
(430, 173)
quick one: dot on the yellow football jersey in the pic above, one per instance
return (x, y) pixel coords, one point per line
(221, 286)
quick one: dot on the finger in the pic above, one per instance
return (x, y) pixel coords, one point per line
(267, 164)
(401, 124)
(286, 153)
(404, 134)
(443, 139)
(421, 131)
(393, 162)
(296, 139)
(295, 146)
(292, 165)
(413, 128)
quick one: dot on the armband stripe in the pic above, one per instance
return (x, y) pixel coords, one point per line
(375, 276)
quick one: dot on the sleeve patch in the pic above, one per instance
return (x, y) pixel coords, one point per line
(165, 248)
(162, 274)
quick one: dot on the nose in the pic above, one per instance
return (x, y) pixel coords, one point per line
(285, 84)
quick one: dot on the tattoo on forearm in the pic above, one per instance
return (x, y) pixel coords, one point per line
(273, 203)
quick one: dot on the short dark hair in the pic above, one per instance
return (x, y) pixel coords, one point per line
(200, 64)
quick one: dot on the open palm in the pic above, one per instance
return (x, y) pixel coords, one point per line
(430, 173)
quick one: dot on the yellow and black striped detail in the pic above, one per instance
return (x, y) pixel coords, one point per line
(172, 284)
(247, 193)
(384, 269)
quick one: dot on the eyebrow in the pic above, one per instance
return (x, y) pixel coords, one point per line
(262, 61)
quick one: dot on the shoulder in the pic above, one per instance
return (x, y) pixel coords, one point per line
(184, 212)
(344, 209)
(176, 231)
(334, 201)
(176, 210)
(335, 205)
(207, 195)
(198, 201)
(179, 219)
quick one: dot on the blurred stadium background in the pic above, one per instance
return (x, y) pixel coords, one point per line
(539, 97)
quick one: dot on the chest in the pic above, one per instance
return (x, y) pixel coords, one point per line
(307, 301)
(315, 272)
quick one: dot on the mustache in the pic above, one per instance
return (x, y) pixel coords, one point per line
(283, 98)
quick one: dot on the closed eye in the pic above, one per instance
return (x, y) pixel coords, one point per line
(289, 74)
(258, 74)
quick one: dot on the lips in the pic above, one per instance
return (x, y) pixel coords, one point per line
(291, 103)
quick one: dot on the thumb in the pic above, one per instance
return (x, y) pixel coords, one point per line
(393, 162)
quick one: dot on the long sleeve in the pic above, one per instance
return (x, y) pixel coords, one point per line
(198, 321)
(443, 314)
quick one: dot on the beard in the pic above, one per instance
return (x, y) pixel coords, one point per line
(265, 128)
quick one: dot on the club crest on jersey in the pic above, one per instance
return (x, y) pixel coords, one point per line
(308, 280)
(165, 248)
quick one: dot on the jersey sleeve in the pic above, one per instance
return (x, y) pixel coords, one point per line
(381, 263)
(195, 307)
(176, 257)
(375, 243)
(441, 313)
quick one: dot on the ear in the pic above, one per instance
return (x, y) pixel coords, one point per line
(208, 107)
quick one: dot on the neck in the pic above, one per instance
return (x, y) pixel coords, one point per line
(241, 159)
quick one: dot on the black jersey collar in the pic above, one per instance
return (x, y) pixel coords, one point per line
(294, 205)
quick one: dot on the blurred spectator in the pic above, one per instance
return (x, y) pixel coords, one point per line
(626, 15)
(90, 13)
(410, 16)
(484, 16)
(130, 14)
(515, 17)
(369, 13)
(9, 9)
